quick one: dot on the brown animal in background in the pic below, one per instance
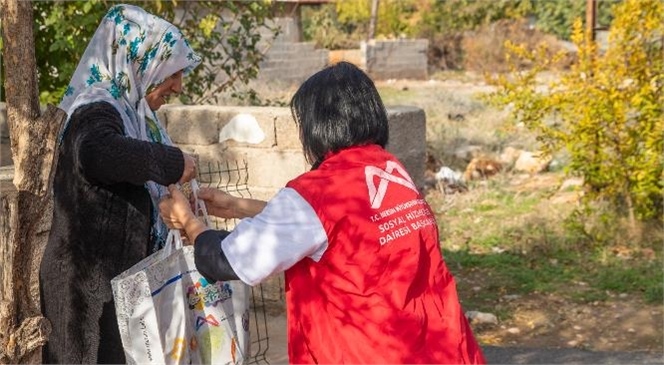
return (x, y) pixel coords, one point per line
(481, 168)
(433, 164)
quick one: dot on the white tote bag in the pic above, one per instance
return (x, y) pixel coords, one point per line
(169, 314)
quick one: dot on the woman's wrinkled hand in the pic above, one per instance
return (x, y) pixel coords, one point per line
(175, 209)
(177, 214)
(189, 171)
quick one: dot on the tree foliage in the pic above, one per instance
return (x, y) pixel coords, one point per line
(345, 23)
(557, 17)
(62, 31)
(607, 112)
(554, 17)
(448, 16)
(320, 25)
(393, 16)
(227, 34)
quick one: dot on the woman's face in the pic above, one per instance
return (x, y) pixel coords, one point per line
(172, 85)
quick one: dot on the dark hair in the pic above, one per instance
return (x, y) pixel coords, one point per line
(337, 108)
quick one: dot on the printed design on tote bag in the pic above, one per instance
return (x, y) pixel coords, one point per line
(178, 348)
(376, 194)
(200, 321)
(146, 338)
(233, 349)
(134, 292)
(193, 344)
(203, 294)
(245, 321)
(211, 340)
(206, 305)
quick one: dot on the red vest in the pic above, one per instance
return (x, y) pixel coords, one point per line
(381, 292)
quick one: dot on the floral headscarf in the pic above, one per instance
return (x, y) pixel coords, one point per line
(131, 53)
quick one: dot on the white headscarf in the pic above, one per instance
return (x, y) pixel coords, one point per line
(131, 52)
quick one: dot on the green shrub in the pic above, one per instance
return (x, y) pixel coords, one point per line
(607, 112)
(557, 17)
(228, 44)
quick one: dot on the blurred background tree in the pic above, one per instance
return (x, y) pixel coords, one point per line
(463, 34)
(227, 34)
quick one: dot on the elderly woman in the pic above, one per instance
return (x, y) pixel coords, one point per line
(115, 161)
(365, 279)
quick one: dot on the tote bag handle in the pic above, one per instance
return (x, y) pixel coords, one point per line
(199, 205)
(173, 243)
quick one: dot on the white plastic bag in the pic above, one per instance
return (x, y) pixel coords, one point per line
(169, 314)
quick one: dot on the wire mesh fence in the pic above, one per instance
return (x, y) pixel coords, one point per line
(231, 177)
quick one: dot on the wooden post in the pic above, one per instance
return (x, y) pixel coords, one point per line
(591, 18)
(24, 213)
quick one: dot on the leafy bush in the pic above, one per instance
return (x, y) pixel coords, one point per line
(228, 35)
(393, 19)
(321, 26)
(345, 24)
(472, 22)
(607, 112)
(228, 44)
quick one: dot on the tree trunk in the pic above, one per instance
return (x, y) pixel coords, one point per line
(25, 212)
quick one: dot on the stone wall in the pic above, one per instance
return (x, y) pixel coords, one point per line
(388, 59)
(265, 137)
(395, 59)
(268, 140)
(292, 63)
(288, 60)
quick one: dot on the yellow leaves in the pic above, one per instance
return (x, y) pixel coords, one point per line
(610, 106)
(518, 50)
(208, 23)
(353, 10)
(159, 5)
(578, 37)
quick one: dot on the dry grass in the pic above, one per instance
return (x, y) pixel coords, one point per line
(456, 116)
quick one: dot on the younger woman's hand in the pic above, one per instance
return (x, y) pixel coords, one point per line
(223, 205)
(218, 203)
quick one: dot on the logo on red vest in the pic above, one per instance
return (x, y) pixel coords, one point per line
(376, 194)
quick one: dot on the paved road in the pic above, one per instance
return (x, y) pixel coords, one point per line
(276, 353)
(511, 355)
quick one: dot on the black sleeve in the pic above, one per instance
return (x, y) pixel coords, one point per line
(107, 156)
(210, 259)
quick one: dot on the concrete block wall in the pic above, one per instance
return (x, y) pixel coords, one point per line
(288, 60)
(292, 63)
(395, 59)
(268, 140)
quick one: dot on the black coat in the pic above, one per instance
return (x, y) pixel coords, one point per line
(101, 227)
